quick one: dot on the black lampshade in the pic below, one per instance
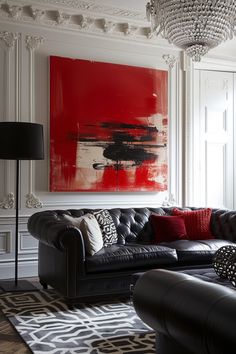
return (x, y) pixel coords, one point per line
(21, 141)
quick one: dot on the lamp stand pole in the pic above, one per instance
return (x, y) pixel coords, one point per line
(17, 222)
(17, 285)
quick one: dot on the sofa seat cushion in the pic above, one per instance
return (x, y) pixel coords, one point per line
(124, 257)
(197, 250)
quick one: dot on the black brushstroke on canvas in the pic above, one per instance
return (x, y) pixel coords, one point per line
(125, 146)
(123, 152)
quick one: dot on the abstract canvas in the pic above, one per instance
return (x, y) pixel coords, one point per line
(108, 127)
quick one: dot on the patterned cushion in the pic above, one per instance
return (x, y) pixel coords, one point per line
(107, 226)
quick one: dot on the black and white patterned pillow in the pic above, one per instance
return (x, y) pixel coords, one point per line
(107, 226)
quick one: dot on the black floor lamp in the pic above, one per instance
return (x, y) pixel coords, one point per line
(20, 141)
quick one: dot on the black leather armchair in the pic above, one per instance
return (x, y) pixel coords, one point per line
(189, 315)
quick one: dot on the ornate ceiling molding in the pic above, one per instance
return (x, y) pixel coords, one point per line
(13, 10)
(91, 7)
(108, 26)
(36, 13)
(81, 17)
(129, 29)
(62, 18)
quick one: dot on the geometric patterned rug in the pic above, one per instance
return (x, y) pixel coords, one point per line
(46, 324)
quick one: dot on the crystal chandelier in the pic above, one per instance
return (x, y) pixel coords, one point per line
(195, 26)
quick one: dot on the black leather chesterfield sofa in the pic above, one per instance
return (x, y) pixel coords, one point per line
(191, 313)
(64, 265)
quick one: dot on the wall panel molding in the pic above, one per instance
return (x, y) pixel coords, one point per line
(32, 43)
(32, 201)
(5, 241)
(102, 204)
(8, 202)
(11, 40)
(27, 244)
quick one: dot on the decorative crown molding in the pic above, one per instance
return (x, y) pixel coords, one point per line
(170, 60)
(8, 202)
(14, 10)
(129, 29)
(94, 7)
(9, 38)
(36, 13)
(78, 15)
(108, 26)
(33, 42)
(32, 201)
(85, 22)
(62, 18)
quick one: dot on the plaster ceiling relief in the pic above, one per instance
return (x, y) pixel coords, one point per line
(81, 15)
(117, 18)
(132, 9)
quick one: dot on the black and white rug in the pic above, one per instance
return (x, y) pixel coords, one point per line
(47, 325)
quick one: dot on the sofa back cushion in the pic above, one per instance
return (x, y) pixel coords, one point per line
(133, 224)
(223, 224)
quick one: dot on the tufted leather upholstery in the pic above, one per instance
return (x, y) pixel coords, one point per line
(118, 257)
(133, 224)
(192, 313)
(64, 265)
(199, 252)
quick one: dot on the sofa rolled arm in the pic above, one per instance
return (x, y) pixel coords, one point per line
(53, 230)
(193, 314)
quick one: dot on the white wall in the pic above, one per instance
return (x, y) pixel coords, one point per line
(25, 46)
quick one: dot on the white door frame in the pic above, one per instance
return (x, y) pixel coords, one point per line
(212, 64)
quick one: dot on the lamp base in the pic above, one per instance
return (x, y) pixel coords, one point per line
(22, 285)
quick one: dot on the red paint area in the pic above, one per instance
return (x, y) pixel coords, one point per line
(106, 106)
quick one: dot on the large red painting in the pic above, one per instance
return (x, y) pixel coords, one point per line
(108, 127)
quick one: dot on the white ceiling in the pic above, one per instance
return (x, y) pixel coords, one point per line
(131, 5)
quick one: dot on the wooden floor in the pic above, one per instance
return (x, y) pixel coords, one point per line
(10, 340)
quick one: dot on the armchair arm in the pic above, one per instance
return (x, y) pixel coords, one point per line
(50, 228)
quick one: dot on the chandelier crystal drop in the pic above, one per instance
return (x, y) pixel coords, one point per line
(194, 26)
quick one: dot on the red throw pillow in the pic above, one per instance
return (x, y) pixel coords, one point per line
(168, 228)
(197, 223)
